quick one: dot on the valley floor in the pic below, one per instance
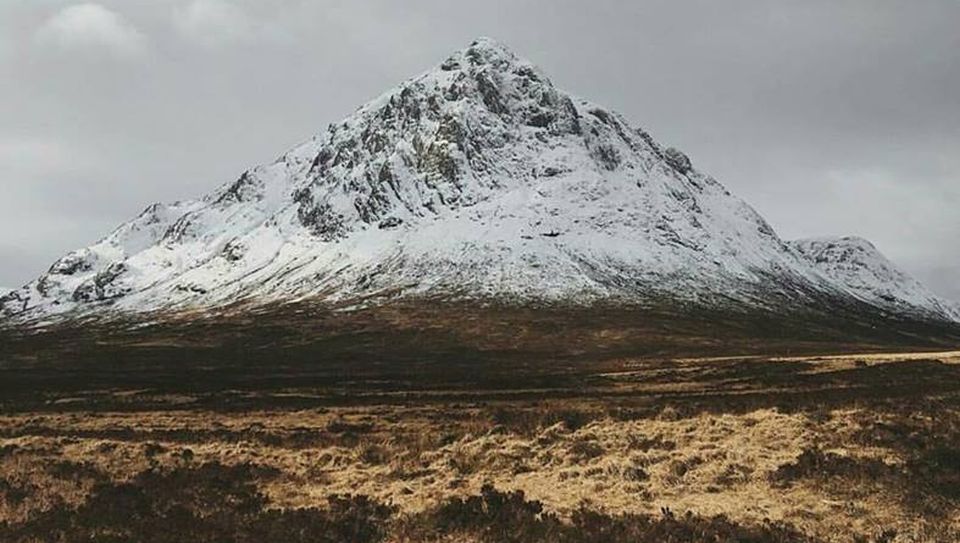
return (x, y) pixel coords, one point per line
(862, 447)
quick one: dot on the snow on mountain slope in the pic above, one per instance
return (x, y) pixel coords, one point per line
(857, 265)
(477, 178)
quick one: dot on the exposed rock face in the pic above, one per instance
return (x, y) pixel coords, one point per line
(678, 160)
(477, 178)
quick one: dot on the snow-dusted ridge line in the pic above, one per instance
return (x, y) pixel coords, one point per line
(477, 178)
(856, 264)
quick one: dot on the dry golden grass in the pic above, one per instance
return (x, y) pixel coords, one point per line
(418, 458)
(865, 449)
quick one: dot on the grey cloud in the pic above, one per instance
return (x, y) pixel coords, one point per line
(90, 25)
(828, 117)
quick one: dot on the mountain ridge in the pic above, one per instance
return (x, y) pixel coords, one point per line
(477, 178)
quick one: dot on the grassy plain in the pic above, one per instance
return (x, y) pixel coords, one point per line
(493, 425)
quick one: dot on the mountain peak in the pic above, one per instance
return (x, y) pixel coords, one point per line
(477, 178)
(492, 44)
(490, 73)
(485, 52)
(491, 50)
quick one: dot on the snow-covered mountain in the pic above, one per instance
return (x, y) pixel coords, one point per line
(857, 265)
(478, 178)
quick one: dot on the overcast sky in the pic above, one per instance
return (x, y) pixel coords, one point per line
(829, 117)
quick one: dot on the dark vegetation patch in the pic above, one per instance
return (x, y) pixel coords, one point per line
(14, 493)
(816, 464)
(69, 470)
(210, 503)
(643, 443)
(508, 517)
(289, 438)
(585, 449)
(927, 483)
(925, 432)
(529, 420)
(939, 467)
(342, 357)
(218, 503)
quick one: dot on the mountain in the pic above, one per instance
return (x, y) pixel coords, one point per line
(476, 179)
(863, 271)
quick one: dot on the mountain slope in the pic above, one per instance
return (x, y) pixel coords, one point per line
(859, 267)
(476, 179)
